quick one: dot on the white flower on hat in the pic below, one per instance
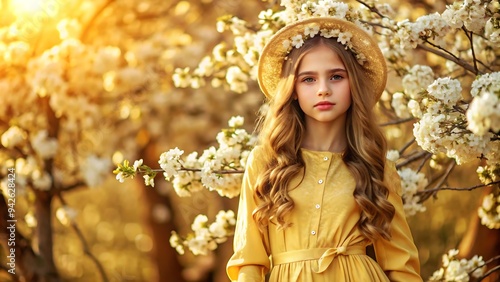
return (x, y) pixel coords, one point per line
(297, 41)
(287, 44)
(328, 33)
(311, 31)
(345, 38)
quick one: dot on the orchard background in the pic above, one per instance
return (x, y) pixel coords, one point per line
(87, 85)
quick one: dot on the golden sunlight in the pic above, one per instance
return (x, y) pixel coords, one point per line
(48, 8)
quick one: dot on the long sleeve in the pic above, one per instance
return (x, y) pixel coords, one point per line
(250, 260)
(398, 256)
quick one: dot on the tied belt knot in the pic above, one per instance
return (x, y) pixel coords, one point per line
(324, 256)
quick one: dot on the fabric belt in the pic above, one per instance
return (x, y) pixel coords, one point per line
(324, 256)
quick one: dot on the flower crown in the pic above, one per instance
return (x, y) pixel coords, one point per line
(312, 30)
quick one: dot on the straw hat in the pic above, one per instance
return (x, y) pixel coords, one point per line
(358, 41)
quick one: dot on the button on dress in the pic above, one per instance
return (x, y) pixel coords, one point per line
(323, 243)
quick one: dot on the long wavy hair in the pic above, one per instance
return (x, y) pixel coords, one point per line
(281, 131)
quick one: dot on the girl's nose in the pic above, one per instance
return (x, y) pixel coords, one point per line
(324, 93)
(323, 89)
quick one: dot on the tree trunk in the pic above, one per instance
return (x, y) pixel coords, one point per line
(225, 250)
(163, 256)
(482, 241)
(23, 253)
(30, 266)
(43, 232)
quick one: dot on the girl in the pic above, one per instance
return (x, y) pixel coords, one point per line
(318, 189)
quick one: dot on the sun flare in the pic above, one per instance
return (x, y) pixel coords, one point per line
(31, 7)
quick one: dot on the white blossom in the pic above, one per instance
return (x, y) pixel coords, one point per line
(486, 83)
(205, 236)
(176, 242)
(66, 215)
(458, 270)
(95, 170)
(170, 162)
(414, 109)
(106, 59)
(489, 211)
(483, 114)
(297, 41)
(236, 121)
(69, 28)
(46, 147)
(446, 89)
(311, 31)
(120, 177)
(17, 53)
(411, 183)
(199, 222)
(148, 180)
(12, 137)
(476, 18)
(400, 105)
(181, 77)
(137, 164)
(492, 31)
(417, 79)
(41, 180)
(30, 220)
(205, 67)
(392, 155)
(237, 79)
(454, 16)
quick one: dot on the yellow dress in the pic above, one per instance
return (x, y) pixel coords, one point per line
(323, 243)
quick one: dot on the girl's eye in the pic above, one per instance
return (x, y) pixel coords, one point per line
(307, 79)
(336, 77)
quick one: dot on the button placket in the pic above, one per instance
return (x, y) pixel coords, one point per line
(317, 201)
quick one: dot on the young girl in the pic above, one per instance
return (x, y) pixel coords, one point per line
(318, 189)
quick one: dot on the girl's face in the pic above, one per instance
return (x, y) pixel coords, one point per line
(322, 86)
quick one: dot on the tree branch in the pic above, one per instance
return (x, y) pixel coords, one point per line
(496, 268)
(74, 186)
(429, 192)
(406, 146)
(399, 121)
(85, 245)
(371, 8)
(469, 36)
(492, 259)
(427, 157)
(86, 30)
(236, 171)
(413, 158)
(459, 189)
(454, 59)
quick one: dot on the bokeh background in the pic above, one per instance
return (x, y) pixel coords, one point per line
(116, 101)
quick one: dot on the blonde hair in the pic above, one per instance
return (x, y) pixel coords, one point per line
(280, 136)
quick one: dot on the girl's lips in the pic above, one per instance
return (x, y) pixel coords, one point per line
(324, 105)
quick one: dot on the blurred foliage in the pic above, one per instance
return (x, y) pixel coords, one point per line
(444, 223)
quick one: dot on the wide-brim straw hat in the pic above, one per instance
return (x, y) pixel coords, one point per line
(274, 54)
